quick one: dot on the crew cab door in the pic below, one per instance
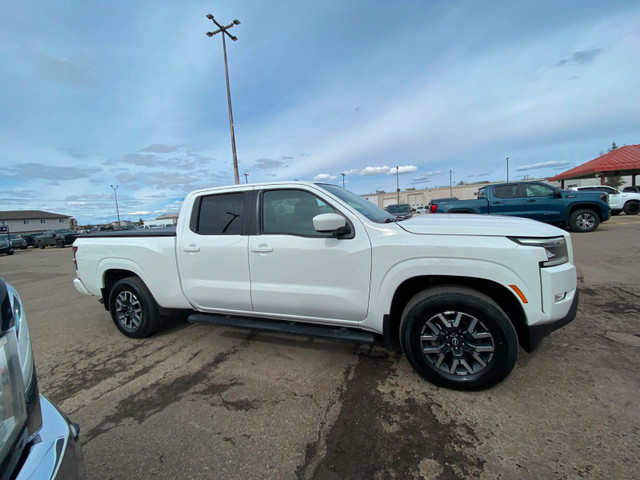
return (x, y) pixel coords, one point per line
(298, 271)
(212, 253)
(543, 202)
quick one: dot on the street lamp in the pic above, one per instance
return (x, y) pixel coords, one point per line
(450, 184)
(224, 32)
(343, 175)
(117, 209)
(507, 169)
(246, 178)
(397, 184)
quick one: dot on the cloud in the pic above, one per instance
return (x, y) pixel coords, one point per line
(384, 170)
(142, 212)
(125, 177)
(267, 163)
(63, 70)
(160, 148)
(72, 153)
(322, 177)
(40, 170)
(535, 166)
(582, 57)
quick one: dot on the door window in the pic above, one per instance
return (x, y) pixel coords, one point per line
(506, 191)
(535, 190)
(291, 212)
(220, 215)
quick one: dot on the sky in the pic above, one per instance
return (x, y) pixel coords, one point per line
(132, 94)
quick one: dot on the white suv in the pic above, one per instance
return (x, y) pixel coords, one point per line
(628, 202)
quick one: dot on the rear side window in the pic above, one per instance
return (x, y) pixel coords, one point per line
(221, 214)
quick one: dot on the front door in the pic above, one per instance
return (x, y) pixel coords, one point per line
(296, 271)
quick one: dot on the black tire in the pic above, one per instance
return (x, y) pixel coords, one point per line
(133, 309)
(60, 243)
(615, 212)
(10, 252)
(477, 353)
(40, 244)
(631, 208)
(583, 220)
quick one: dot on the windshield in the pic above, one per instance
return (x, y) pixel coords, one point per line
(400, 208)
(365, 207)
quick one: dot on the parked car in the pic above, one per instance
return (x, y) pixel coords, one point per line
(32, 238)
(37, 440)
(627, 202)
(18, 242)
(5, 245)
(581, 211)
(401, 211)
(632, 189)
(435, 201)
(459, 292)
(58, 238)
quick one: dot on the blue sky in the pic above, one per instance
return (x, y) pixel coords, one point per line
(132, 94)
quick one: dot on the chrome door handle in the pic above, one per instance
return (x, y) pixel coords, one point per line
(262, 248)
(191, 249)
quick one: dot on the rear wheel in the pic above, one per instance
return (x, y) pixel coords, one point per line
(133, 309)
(631, 208)
(459, 338)
(584, 220)
(40, 244)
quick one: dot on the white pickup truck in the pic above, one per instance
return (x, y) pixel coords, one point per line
(459, 292)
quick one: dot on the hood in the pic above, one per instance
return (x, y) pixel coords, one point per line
(485, 225)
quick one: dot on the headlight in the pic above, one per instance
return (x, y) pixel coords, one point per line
(13, 405)
(24, 339)
(556, 248)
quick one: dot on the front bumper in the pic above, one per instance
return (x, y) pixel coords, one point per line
(538, 332)
(55, 452)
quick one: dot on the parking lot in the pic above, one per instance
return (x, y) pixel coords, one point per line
(204, 402)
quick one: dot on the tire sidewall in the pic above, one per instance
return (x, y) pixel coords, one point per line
(504, 337)
(149, 323)
(573, 223)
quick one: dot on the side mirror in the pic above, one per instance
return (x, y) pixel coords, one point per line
(329, 222)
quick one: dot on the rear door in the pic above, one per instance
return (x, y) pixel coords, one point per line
(296, 271)
(212, 253)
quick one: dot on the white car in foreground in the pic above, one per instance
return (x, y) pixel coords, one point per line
(460, 292)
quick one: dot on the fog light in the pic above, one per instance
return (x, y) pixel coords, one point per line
(558, 297)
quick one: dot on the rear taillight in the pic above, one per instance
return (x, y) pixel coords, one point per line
(433, 208)
(75, 249)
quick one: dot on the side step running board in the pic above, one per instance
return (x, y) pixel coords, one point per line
(280, 326)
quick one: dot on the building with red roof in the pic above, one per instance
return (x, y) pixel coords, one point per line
(621, 161)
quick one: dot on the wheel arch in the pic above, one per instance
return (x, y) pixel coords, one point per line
(497, 292)
(590, 206)
(109, 279)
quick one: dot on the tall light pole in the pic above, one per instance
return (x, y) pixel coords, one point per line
(117, 209)
(343, 175)
(450, 184)
(246, 177)
(397, 184)
(507, 169)
(224, 32)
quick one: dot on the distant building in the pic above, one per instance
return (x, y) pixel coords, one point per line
(166, 220)
(31, 221)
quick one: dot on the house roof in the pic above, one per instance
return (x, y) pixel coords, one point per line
(29, 215)
(623, 160)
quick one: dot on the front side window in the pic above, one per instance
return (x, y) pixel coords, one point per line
(535, 190)
(221, 214)
(291, 212)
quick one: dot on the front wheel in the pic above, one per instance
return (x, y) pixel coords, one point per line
(133, 309)
(584, 220)
(631, 208)
(459, 338)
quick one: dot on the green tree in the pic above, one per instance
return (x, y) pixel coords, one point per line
(613, 181)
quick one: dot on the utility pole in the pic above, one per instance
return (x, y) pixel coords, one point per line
(224, 32)
(343, 175)
(398, 184)
(507, 169)
(246, 178)
(117, 209)
(450, 184)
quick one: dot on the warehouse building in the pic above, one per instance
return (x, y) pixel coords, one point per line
(33, 221)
